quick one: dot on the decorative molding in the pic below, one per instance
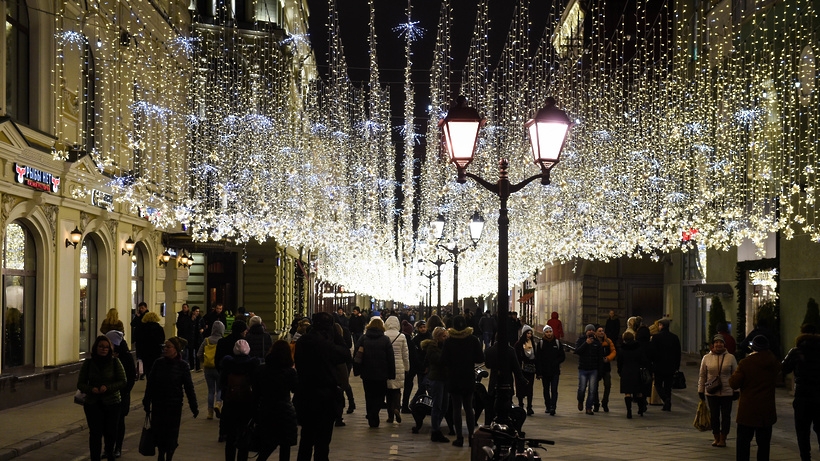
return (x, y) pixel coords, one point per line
(9, 202)
(111, 225)
(85, 218)
(50, 211)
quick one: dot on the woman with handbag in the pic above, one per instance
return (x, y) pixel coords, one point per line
(713, 385)
(101, 378)
(525, 350)
(163, 396)
(631, 360)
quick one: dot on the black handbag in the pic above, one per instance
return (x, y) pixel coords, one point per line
(247, 438)
(646, 376)
(678, 380)
(147, 445)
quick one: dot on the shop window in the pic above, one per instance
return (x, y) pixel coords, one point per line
(19, 282)
(89, 283)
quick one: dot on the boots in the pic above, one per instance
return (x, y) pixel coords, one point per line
(641, 405)
(721, 440)
(717, 439)
(210, 413)
(437, 436)
(628, 401)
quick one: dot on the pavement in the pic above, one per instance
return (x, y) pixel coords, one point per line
(55, 429)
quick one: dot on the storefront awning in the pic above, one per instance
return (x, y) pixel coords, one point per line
(724, 290)
(525, 298)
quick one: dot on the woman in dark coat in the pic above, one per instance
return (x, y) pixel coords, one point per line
(101, 379)
(236, 382)
(163, 397)
(631, 358)
(152, 337)
(461, 352)
(123, 354)
(377, 365)
(525, 350)
(273, 385)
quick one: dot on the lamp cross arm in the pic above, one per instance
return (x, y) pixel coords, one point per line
(517, 187)
(484, 183)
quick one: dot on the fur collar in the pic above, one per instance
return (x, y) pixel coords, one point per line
(460, 334)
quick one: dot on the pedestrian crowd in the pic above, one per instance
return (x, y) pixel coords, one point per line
(263, 387)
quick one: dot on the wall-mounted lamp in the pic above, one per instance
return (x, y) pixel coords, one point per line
(163, 260)
(129, 246)
(182, 259)
(190, 260)
(74, 238)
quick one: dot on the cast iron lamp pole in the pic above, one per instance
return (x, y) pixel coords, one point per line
(476, 228)
(429, 276)
(547, 132)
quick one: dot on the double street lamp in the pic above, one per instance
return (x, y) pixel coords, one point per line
(547, 133)
(476, 227)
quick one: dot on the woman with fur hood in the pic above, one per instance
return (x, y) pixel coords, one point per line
(401, 355)
(461, 352)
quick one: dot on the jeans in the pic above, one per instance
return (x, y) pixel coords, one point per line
(488, 338)
(550, 391)
(720, 411)
(439, 395)
(466, 401)
(606, 377)
(103, 421)
(587, 378)
(763, 436)
(806, 413)
(212, 379)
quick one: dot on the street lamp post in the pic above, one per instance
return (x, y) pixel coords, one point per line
(547, 131)
(476, 228)
(429, 276)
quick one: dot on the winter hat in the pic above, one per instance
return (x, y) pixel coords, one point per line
(115, 336)
(547, 328)
(720, 338)
(406, 327)
(241, 348)
(179, 343)
(589, 327)
(459, 323)
(420, 324)
(664, 321)
(760, 343)
(239, 326)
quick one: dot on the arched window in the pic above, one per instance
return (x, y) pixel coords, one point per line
(17, 60)
(89, 283)
(19, 281)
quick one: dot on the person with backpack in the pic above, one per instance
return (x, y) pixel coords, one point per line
(207, 356)
(236, 381)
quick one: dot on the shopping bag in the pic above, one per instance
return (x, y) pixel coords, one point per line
(703, 421)
(147, 445)
(79, 397)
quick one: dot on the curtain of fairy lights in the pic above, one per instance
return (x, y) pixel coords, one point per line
(692, 127)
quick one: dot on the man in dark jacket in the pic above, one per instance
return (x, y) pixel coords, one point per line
(185, 329)
(461, 352)
(666, 352)
(804, 361)
(122, 352)
(613, 327)
(588, 349)
(356, 324)
(488, 326)
(548, 359)
(316, 356)
(216, 313)
(755, 377)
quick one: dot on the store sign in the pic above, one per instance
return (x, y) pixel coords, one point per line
(101, 199)
(36, 179)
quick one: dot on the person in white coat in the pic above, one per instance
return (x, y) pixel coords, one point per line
(713, 385)
(402, 355)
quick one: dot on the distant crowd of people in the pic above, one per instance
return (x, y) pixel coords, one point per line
(271, 385)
